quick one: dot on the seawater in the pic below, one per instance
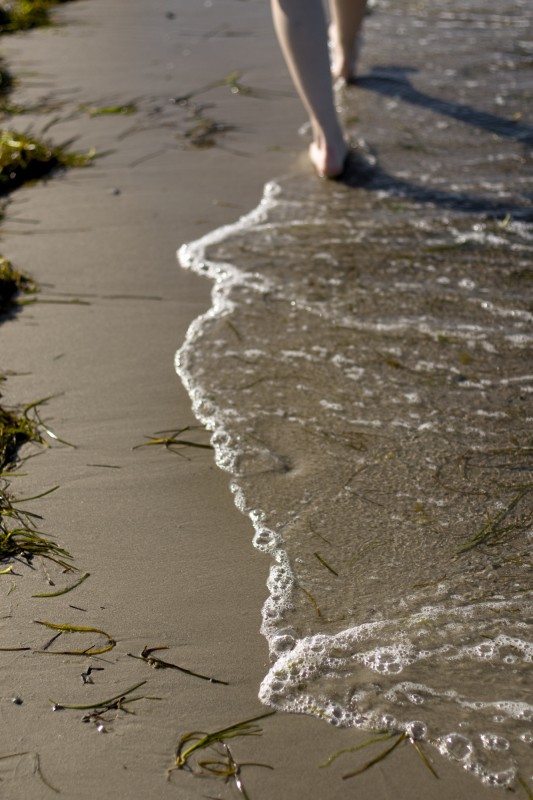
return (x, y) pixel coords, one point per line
(367, 372)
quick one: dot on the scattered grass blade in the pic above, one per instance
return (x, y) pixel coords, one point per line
(66, 589)
(493, 526)
(90, 651)
(325, 564)
(525, 786)
(356, 747)
(158, 663)
(201, 740)
(100, 704)
(401, 738)
(425, 759)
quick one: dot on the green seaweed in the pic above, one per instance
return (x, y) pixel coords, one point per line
(173, 439)
(22, 15)
(401, 737)
(15, 431)
(311, 600)
(493, 528)
(379, 738)
(27, 543)
(202, 134)
(224, 764)
(157, 663)
(200, 739)
(66, 589)
(423, 756)
(66, 628)
(325, 564)
(24, 158)
(108, 703)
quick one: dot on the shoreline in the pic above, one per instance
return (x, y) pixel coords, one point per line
(170, 558)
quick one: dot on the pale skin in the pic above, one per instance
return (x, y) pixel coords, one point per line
(302, 31)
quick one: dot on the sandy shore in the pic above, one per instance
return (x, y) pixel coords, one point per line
(169, 557)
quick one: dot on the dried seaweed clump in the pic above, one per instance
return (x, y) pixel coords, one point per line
(21, 15)
(12, 283)
(15, 431)
(24, 158)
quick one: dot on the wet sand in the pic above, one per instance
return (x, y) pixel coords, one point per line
(170, 558)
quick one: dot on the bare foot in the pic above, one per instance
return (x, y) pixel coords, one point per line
(328, 161)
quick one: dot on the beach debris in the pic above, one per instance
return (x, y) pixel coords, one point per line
(222, 764)
(172, 439)
(41, 427)
(86, 676)
(202, 134)
(24, 158)
(418, 747)
(22, 15)
(325, 564)
(493, 529)
(400, 737)
(66, 628)
(233, 82)
(96, 711)
(381, 736)
(311, 600)
(66, 589)
(155, 662)
(25, 542)
(12, 284)
(16, 430)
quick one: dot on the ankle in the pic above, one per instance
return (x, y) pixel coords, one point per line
(328, 159)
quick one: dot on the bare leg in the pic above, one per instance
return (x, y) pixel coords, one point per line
(347, 19)
(302, 32)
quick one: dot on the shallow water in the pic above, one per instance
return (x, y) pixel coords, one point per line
(367, 373)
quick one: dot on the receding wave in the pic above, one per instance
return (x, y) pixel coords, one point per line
(366, 371)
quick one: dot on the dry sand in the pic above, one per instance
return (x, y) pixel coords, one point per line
(170, 558)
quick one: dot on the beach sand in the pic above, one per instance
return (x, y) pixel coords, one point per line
(170, 558)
